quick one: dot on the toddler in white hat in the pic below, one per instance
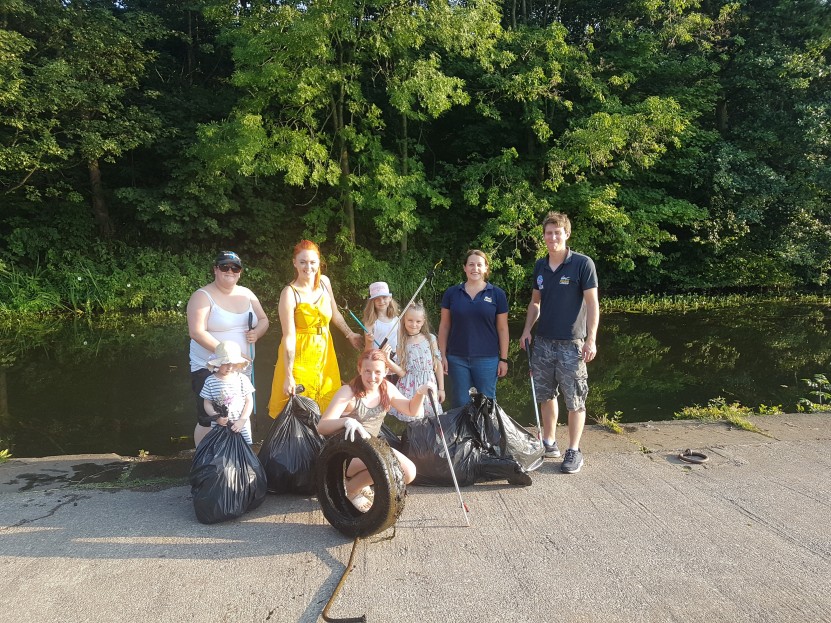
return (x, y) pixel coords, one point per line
(228, 393)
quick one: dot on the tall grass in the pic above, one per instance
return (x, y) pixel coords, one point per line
(689, 302)
(117, 278)
(101, 281)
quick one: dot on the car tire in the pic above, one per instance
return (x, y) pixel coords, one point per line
(387, 477)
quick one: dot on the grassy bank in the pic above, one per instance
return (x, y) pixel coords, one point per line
(117, 279)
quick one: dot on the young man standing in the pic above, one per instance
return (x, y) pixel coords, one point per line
(564, 301)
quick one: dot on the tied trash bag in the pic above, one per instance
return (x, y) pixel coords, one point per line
(290, 450)
(226, 477)
(485, 444)
(501, 436)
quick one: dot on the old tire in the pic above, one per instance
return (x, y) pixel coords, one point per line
(386, 474)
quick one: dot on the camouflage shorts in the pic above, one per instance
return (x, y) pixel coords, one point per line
(558, 365)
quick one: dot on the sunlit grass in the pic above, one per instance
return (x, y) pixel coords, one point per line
(719, 410)
(610, 422)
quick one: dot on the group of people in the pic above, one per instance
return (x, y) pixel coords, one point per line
(225, 321)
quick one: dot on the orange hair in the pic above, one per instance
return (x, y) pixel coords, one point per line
(308, 245)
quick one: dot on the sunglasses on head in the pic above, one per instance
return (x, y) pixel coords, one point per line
(232, 267)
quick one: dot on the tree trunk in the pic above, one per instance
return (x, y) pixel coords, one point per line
(99, 206)
(721, 116)
(190, 48)
(346, 195)
(405, 154)
(5, 416)
(343, 155)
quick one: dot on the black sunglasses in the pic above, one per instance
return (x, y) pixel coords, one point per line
(232, 267)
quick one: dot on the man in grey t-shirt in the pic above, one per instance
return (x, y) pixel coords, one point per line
(564, 301)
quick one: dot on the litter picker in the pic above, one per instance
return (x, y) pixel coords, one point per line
(394, 326)
(251, 353)
(360, 324)
(533, 388)
(465, 510)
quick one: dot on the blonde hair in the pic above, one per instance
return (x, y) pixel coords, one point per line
(401, 349)
(370, 315)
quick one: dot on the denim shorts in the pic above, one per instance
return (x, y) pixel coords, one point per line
(558, 365)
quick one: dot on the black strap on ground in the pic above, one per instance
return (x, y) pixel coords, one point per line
(360, 619)
(689, 456)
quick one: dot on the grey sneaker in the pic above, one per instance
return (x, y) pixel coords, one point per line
(552, 451)
(572, 462)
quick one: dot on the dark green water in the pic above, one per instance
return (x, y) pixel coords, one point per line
(123, 386)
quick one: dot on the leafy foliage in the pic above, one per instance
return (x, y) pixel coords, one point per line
(688, 141)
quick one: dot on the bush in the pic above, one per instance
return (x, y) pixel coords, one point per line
(103, 279)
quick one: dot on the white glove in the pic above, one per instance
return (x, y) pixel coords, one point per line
(351, 425)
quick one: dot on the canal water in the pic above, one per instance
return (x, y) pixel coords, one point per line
(123, 385)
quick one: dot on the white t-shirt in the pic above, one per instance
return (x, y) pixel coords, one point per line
(380, 330)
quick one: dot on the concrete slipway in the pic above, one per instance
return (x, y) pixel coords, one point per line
(638, 535)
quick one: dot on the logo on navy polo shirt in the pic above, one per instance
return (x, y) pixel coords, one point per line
(539, 282)
(564, 281)
(488, 299)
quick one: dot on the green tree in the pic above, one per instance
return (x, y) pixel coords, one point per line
(75, 71)
(324, 83)
(771, 172)
(567, 131)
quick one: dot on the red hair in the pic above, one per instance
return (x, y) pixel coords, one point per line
(308, 245)
(357, 383)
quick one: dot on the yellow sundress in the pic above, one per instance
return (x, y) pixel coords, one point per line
(315, 365)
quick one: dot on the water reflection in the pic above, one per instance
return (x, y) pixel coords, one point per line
(123, 385)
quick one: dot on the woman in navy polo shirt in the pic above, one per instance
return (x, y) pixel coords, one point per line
(473, 333)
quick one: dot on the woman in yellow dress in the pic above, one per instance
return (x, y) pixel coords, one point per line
(307, 354)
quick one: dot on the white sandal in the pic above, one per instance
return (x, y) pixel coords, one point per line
(360, 501)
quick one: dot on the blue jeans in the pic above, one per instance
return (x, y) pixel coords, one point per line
(467, 372)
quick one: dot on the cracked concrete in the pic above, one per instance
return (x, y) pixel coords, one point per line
(638, 535)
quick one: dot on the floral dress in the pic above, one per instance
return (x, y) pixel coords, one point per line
(419, 371)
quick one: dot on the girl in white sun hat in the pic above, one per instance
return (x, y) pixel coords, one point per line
(380, 313)
(228, 393)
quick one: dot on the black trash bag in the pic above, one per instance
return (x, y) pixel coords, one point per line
(226, 477)
(502, 436)
(388, 435)
(290, 450)
(423, 446)
(484, 444)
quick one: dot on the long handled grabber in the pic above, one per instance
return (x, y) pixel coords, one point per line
(251, 352)
(533, 388)
(360, 324)
(394, 326)
(465, 509)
